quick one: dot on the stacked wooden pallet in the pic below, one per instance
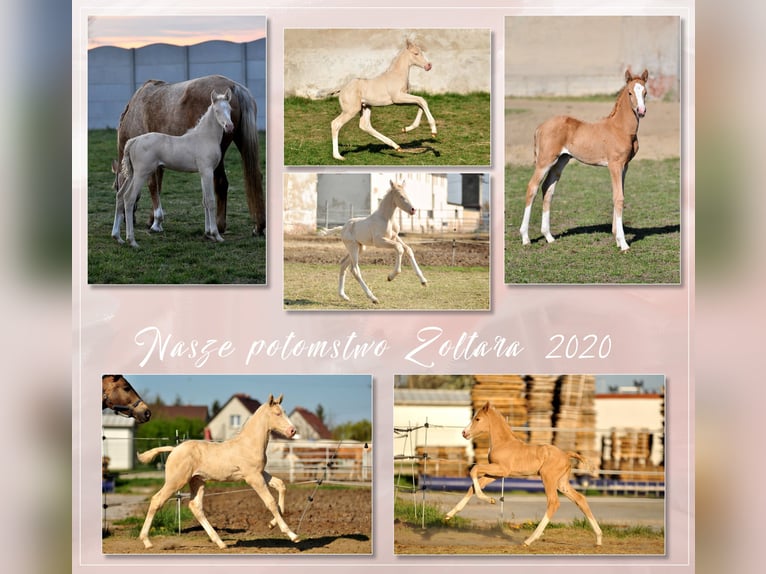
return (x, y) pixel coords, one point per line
(442, 461)
(540, 395)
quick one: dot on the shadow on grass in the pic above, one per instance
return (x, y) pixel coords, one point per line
(632, 234)
(416, 147)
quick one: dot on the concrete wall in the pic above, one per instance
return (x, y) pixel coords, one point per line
(300, 203)
(114, 74)
(577, 56)
(318, 61)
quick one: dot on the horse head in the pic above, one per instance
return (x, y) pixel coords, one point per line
(222, 109)
(401, 200)
(119, 395)
(636, 88)
(479, 423)
(417, 57)
(278, 420)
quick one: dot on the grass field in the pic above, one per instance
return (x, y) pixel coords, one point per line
(462, 121)
(180, 254)
(581, 221)
(313, 287)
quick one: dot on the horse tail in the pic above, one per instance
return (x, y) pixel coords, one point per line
(126, 169)
(247, 142)
(588, 464)
(330, 231)
(147, 456)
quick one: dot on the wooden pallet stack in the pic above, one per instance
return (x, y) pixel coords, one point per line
(442, 461)
(540, 394)
(508, 395)
(631, 451)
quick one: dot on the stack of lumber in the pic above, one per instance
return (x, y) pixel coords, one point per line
(442, 461)
(540, 394)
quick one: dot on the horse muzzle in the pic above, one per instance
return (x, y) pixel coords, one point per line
(641, 111)
(228, 128)
(412, 211)
(427, 67)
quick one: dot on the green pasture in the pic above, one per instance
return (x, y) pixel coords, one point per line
(462, 123)
(581, 221)
(180, 254)
(309, 287)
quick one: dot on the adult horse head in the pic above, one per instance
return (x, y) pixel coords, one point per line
(118, 394)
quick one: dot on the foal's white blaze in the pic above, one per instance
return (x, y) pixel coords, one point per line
(640, 92)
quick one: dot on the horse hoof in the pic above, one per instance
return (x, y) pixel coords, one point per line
(424, 283)
(340, 157)
(375, 300)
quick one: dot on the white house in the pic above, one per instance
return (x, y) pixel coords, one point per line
(117, 444)
(229, 420)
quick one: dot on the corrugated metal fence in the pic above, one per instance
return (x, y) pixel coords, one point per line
(114, 74)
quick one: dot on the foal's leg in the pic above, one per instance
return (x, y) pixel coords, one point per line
(119, 210)
(534, 183)
(549, 187)
(167, 490)
(414, 263)
(208, 201)
(197, 486)
(344, 265)
(129, 202)
(618, 172)
(576, 497)
(278, 485)
(549, 482)
(350, 106)
(483, 481)
(258, 481)
(366, 125)
(353, 249)
(405, 98)
(157, 215)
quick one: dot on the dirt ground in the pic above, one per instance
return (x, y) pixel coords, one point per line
(337, 521)
(470, 251)
(509, 540)
(658, 132)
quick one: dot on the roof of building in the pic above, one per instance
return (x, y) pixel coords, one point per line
(180, 411)
(436, 397)
(314, 421)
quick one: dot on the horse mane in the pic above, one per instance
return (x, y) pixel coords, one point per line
(618, 101)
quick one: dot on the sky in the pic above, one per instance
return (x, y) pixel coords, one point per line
(345, 398)
(137, 31)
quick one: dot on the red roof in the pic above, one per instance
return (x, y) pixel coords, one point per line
(315, 422)
(182, 411)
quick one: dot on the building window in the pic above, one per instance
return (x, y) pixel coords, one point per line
(235, 421)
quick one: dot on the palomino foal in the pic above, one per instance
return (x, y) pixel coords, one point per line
(379, 229)
(510, 456)
(198, 150)
(610, 142)
(240, 458)
(391, 87)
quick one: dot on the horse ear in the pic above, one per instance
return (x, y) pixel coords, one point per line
(212, 96)
(628, 75)
(227, 95)
(279, 400)
(645, 75)
(486, 406)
